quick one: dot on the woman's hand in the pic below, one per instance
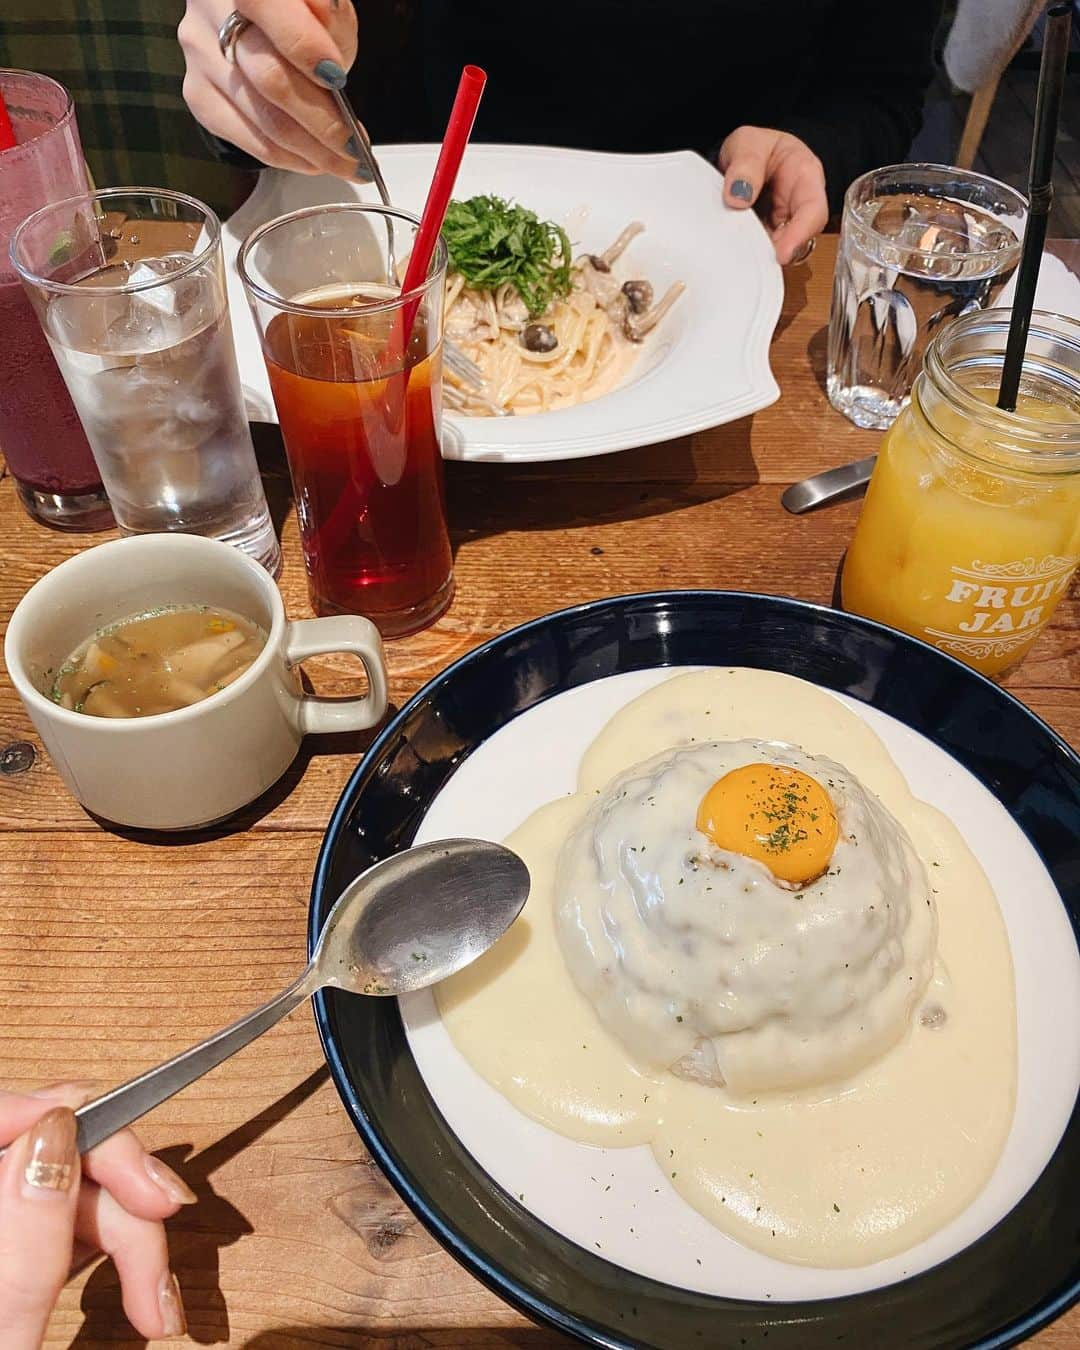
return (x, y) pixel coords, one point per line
(272, 102)
(56, 1212)
(784, 177)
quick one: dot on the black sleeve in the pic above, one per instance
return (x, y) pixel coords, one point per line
(228, 153)
(865, 107)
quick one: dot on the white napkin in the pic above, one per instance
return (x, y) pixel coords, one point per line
(1058, 289)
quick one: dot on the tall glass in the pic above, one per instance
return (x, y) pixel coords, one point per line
(356, 371)
(920, 244)
(129, 286)
(41, 437)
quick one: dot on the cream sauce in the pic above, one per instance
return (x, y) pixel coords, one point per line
(839, 1175)
(700, 961)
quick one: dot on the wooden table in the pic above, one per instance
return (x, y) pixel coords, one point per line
(116, 952)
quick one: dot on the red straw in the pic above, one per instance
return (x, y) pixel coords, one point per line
(458, 130)
(7, 131)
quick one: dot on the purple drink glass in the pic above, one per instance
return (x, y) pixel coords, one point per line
(41, 436)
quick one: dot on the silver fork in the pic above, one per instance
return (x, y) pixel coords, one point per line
(367, 154)
(464, 367)
(468, 371)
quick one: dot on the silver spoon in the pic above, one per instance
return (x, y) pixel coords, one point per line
(406, 923)
(827, 486)
(364, 152)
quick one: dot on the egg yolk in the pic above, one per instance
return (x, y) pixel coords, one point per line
(780, 816)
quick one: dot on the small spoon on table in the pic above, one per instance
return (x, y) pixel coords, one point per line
(406, 923)
(827, 486)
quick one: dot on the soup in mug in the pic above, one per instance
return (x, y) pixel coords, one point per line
(157, 661)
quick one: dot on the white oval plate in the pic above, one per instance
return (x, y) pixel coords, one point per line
(617, 1197)
(707, 363)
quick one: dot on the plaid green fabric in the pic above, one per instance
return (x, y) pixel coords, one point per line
(123, 66)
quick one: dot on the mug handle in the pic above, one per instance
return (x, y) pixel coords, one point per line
(338, 633)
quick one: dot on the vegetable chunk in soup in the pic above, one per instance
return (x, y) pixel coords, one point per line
(157, 662)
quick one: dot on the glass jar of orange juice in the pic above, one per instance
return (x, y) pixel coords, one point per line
(970, 533)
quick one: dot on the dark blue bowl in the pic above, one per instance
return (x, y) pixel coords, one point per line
(1015, 1279)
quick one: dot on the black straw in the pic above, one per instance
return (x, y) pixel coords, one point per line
(1040, 194)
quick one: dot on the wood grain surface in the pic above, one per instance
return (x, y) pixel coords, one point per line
(117, 950)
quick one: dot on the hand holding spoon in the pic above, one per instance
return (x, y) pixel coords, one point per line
(406, 923)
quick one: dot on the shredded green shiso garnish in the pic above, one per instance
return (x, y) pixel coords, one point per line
(492, 241)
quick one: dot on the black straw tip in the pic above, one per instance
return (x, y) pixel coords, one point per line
(1040, 194)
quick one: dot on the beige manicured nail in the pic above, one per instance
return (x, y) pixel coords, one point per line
(178, 1191)
(52, 1158)
(173, 1321)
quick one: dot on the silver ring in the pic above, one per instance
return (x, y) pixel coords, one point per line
(229, 33)
(804, 252)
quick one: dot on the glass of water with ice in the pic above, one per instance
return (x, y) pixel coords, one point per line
(920, 244)
(129, 285)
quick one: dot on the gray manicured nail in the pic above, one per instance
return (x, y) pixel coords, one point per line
(743, 190)
(362, 174)
(351, 147)
(330, 73)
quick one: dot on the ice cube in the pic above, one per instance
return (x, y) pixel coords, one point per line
(157, 414)
(945, 229)
(161, 298)
(917, 220)
(891, 216)
(140, 325)
(991, 236)
(156, 269)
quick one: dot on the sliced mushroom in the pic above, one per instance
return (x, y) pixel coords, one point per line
(639, 294)
(513, 312)
(599, 263)
(538, 337)
(473, 319)
(464, 323)
(618, 309)
(636, 326)
(617, 249)
(599, 282)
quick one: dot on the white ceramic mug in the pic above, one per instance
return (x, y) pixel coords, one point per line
(182, 769)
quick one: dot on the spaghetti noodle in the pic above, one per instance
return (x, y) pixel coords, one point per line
(575, 347)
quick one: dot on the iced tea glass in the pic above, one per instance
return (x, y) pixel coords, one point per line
(41, 437)
(355, 368)
(129, 286)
